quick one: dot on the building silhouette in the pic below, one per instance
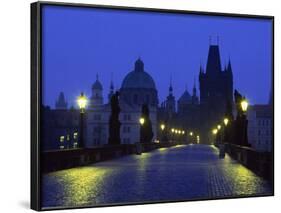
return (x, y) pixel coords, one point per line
(216, 91)
(188, 112)
(61, 102)
(216, 95)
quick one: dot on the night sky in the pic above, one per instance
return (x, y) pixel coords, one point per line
(79, 43)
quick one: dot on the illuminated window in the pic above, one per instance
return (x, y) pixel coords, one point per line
(61, 147)
(67, 137)
(62, 139)
(75, 135)
(75, 145)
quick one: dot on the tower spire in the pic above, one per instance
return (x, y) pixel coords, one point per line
(111, 88)
(213, 61)
(194, 87)
(171, 87)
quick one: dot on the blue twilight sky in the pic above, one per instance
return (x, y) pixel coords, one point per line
(79, 43)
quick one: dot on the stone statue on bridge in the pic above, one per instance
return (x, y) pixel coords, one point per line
(241, 123)
(114, 123)
(146, 133)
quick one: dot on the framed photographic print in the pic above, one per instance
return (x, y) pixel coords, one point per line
(140, 105)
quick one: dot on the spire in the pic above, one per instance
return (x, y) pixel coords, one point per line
(194, 87)
(213, 62)
(61, 102)
(229, 68)
(111, 90)
(170, 87)
(111, 82)
(139, 65)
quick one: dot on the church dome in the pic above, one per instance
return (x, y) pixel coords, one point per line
(97, 85)
(138, 78)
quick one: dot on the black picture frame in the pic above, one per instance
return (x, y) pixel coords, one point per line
(36, 89)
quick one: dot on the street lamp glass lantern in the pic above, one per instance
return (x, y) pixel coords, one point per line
(215, 131)
(141, 121)
(82, 101)
(225, 121)
(173, 130)
(219, 127)
(162, 126)
(244, 105)
(191, 133)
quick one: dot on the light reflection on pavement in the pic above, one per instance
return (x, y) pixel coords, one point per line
(177, 173)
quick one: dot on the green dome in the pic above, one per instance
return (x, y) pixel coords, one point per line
(138, 78)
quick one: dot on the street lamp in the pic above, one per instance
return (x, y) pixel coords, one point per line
(244, 105)
(214, 131)
(225, 121)
(82, 102)
(219, 127)
(141, 120)
(191, 133)
(173, 130)
(244, 121)
(162, 126)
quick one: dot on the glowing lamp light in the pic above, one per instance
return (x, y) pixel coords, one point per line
(173, 130)
(219, 127)
(141, 121)
(82, 101)
(225, 121)
(182, 132)
(244, 105)
(162, 126)
(191, 133)
(215, 131)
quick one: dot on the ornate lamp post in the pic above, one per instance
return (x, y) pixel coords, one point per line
(142, 121)
(225, 122)
(191, 134)
(162, 127)
(244, 107)
(215, 132)
(82, 103)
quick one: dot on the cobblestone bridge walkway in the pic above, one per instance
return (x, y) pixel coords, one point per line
(177, 173)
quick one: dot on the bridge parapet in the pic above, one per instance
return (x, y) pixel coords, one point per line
(259, 162)
(64, 159)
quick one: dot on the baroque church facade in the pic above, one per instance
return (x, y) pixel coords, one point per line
(137, 88)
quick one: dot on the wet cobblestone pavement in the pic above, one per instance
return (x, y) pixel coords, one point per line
(178, 173)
